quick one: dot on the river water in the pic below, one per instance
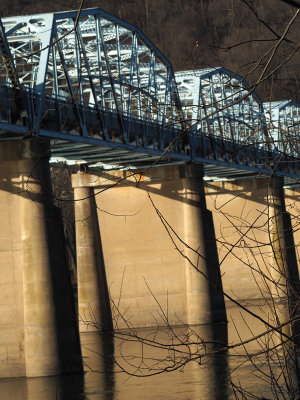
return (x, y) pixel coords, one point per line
(205, 378)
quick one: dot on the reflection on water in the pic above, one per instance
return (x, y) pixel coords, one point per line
(204, 378)
(99, 376)
(67, 387)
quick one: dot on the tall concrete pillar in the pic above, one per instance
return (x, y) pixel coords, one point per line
(205, 301)
(93, 299)
(285, 288)
(50, 344)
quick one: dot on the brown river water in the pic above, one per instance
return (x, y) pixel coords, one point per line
(208, 379)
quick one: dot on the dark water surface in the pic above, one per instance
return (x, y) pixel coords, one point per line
(104, 380)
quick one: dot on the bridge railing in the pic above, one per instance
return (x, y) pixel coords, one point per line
(59, 120)
(252, 156)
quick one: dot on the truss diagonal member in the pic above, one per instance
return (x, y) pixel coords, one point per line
(111, 78)
(69, 84)
(86, 61)
(19, 96)
(46, 38)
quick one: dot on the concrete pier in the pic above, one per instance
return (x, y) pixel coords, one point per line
(158, 246)
(285, 289)
(37, 322)
(93, 305)
(205, 301)
(255, 237)
(283, 246)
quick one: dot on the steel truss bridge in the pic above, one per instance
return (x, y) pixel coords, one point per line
(103, 94)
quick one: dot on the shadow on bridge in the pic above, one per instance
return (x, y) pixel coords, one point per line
(254, 188)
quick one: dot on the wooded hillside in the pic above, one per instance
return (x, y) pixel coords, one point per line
(203, 33)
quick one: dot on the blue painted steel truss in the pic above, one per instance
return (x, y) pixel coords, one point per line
(93, 79)
(101, 92)
(283, 119)
(228, 122)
